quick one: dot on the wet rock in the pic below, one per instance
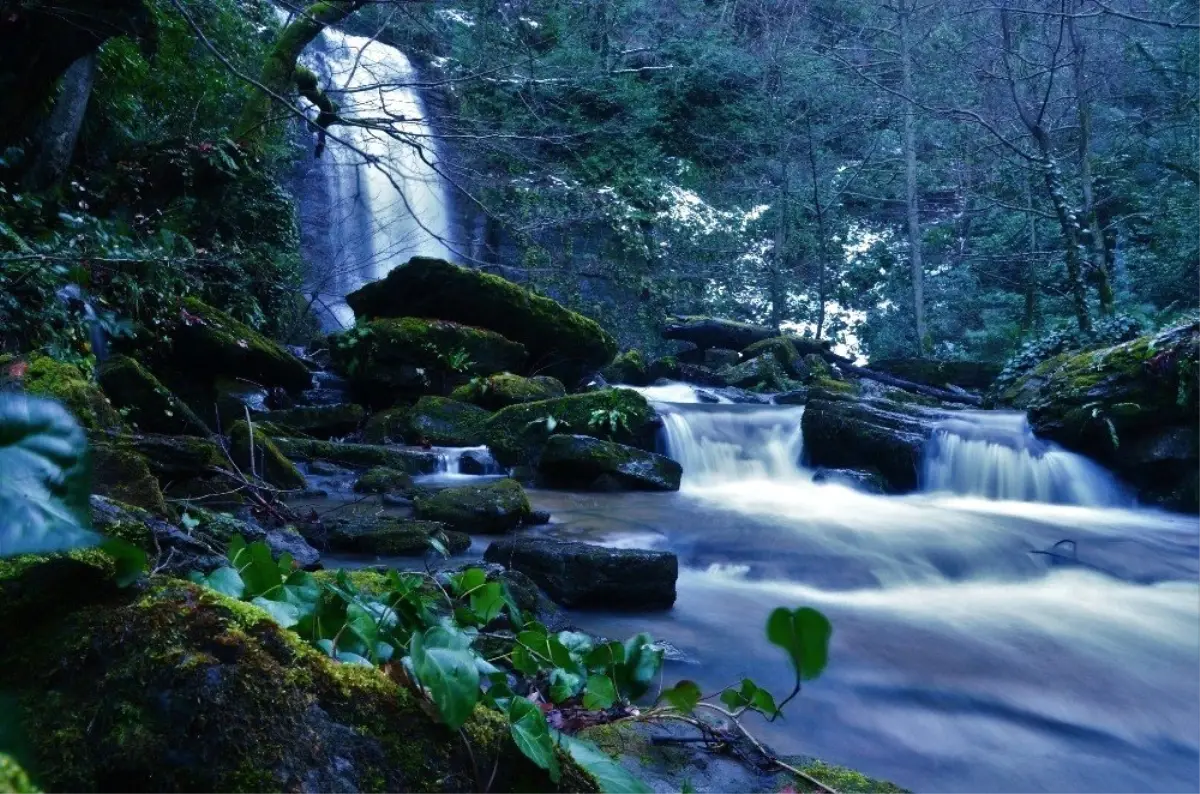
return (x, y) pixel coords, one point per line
(718, 358)
(706, 332)
(321, 468)
(764, 373)
(382, 479)
(233, 400)
(537, 518)
(319, 421)
(859, 479)
(391, 536)
(504, 389)
(580, 575)
(414, 461)
(792, 397)
(475, 462)
(46, 377)
(781, 347)
(974, 375)
(560, 342)
(328, 389)
(268, 462)
(516, 434)
(731, 394)
(167, 546)
(443, 422)
(628, 368)
(571, 461)
(671, 368)
(490, 509)
(147, 403)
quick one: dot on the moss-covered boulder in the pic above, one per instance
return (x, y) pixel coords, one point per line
(178, 688)
(171, 458)
(976, 375)
(439, 421)
(628, 368)
(781, 347)
(145, 402)
(490, 509)
(386, 359)
(560, 342)
(319, 421)
(572, 461)
(718, 358)
(764, 374)
(517, 434)
(268, 462)
(382, 479)
(413, 461)
(217, 529)
(396, 537)
(504, 389)
(64, 382)
(208, 342)
(122, 474)
(671, 368)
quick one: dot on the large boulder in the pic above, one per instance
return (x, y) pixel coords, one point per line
(381, 480)
(124, 475)
(490, 509)
(1132, 406)
(590, 463)
(394, 537)
(628, 368)
(580, 575)
(147, 404)
(60, 381)
(560, 342)
(386, 359)
(413, 461)
(208, 342)
(517, 434)
(880, 435)
(705, 332)
(319, 421)
(444, 422)
(178, 688)
(763, 373)
(504, 389)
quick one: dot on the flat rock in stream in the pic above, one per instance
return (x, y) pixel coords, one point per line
(583, 576)
(585, 462)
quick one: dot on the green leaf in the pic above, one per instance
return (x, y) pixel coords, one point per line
(45, 478)
(529, 730)
(286, 615)
(487, 602)
(601, 693)
(468, 580)
(345, 657)
(605, 658)
(610, 775)
(577, 643)
(259, 570)
(642, 663)
(225, 581)
(750, 696)
(564, 685)
(444, 664)
(804, 633)
(129, 559)
(683, 697)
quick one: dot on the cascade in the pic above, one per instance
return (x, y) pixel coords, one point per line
(995, 455)
(728, 442)
(359, 220)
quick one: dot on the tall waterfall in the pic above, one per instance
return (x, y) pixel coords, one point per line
(995, 455)
(370, 206)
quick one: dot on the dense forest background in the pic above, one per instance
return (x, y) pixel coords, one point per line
(945, 178)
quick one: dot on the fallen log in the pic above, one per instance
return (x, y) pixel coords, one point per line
(710, 332)
(850, 368)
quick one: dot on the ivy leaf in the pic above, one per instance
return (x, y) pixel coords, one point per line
(610, 775)
(683, 697)
(258, 569)
(444, 664)
(564, 685)
(130, 560)
(605, 658)
(576, 642)
(468, 580)
(641, 665)
(45, 478)
(601, 693)
(286, 615)
(529, 730)
(487, 602)
(750, 696)
(804, 633)
(225, 581)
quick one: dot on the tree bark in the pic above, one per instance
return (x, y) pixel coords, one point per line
(60, 131)
(910, 180)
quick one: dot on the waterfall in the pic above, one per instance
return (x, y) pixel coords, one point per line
(359, 220)
(995, 455)
(721, 443)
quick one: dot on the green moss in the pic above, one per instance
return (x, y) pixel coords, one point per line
(413, 461)
(902, 396)
(400, 537)
(504, 389)
(269, 462)
(124, 475)
(445, 422)
(763, 373)
(388, 426)
(146, 403)
(517, 434)
(46, 377)
(382, 479)
(781, 348)
(574, 461)
(322, 421)
(629, 367)
(494, 508)
(13, 779)
(828, 384)
(846, 780)
(215, 344)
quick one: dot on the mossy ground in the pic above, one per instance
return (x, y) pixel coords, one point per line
(57, 380)
(493, 508)
(216, 344)
(268, 462)
(148, 404)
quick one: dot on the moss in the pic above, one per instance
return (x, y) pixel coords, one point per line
(213, 343)
(665, 367)
(269, 462)
(764, 373)
(388, 426)
(584, 462)
(146, 403)
(781, 348)
(517, 434)
(560, 342)
(902, 396)
(494, 508)
(382, 479)
(445, 422)
(400, 537)
(124, 475)
(629, 367)
(504, 389)
(840, 778)
(322, 421)
(13, 779)
(413, 461)
(171, 458)
(46, 377)
(828, 384)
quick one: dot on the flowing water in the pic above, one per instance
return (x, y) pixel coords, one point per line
(970, 652)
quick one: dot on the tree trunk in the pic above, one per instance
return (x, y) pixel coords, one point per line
(1069, 225)
(910, 180)
(822, 247)
(779, 254)
(60, 131)
(1029, 320)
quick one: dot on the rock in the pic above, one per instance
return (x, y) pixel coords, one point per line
(504, 389)
(233, 399)
(125, 476)
(781, 347)
(763, 373)
(476, 462)
(628, 368)
(394, 537)
(718, 358)
(46, 377)
(322, 469)
(386, 359)
(858, 479)
(537, 518)
(146, 403)
(184, 689)
(217, 529)
(516, 434)
(212, 343)
(268, 463)
(975, 375)
(328, 389)
(580, 575)
(413, 461)
(812, 368)
(319, 421)
(706, 332)
(577, 462)
(444, 422)
(167, 546)
(845, 433)
(670, 368)
(560, 342)
(792, 397)
(491, 509)
(171, 458)
(717, 394)
(381, 479)
(1132, 407)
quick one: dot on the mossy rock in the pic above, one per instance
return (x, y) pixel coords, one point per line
(124, 475)
(397, 537)
(387, 359)
(560, 342)
(413, 461)
(319, 421)
(517, 434)
(214, 344)
(573, 461)
(763, 374)
(628, 368)
(57, 380)
(504, 389)
(445, 422)
(268, 462)
(387, 427)
(671, 368)
(491, 509)
(181, 689)
(13, 779)
(813, 367)
(382, 479)
(781, 347)
(150, 406)
(976, 375)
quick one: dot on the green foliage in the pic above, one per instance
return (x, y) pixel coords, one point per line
(1109, 331)
(615, 419)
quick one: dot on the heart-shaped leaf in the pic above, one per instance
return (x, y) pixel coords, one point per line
(804, 633)
(225, 581)
(610, 775)
(601, 693)
(444, 664)
(683, 697)
(529, 730)
(286, 615)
